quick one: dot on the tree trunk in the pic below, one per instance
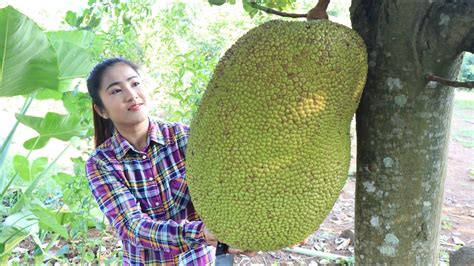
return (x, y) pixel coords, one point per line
(403, 124)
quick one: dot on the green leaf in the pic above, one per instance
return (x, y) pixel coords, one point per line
(64, 216)
(28, 61)
(63, 179)
(53, 125)
(17, 227)
(22, 166)
(71, 18)
(176, 95)
(47, 94)
(74, 53)
(66, 85)
(88, 256)
(22, 202)
(97, 217)
(38, 165)
(5, 145)
(36, 143)
(77, 102)
(48, 221)
(94, 22)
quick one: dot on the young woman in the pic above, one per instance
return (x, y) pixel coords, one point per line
(137, 173)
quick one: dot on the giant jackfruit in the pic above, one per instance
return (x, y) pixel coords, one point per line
(269, 146)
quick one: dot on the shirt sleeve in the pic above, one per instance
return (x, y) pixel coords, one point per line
(121, 209)
(182, 134)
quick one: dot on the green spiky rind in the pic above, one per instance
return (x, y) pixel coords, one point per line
(269, 147)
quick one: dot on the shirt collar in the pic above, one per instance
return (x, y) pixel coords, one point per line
(122, 146)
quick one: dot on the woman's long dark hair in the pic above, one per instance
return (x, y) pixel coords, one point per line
(103, 128)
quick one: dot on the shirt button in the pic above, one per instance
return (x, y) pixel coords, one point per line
(150, 179)
(157, 203)
(144, 157)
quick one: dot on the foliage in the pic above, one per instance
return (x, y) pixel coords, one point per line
(22, 63)
(275, 4)
(38, 64)
(53, 125)
(190, 79)
(80, 211)
(118, 24)
(46, 65)
(190, 69)
(467, 68)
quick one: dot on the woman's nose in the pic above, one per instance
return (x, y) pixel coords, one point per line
(131, 94)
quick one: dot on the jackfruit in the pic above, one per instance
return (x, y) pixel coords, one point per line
(269, 147)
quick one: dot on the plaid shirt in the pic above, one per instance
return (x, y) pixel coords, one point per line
(144, 195)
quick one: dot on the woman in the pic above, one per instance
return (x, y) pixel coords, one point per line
(137, 173)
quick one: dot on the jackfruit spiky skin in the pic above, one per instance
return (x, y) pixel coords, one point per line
(269, 147)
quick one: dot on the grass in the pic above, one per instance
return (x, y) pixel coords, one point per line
(464, 104)
(446, 223)
(464, 108)
(465, 137)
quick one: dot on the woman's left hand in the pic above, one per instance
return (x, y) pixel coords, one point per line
(212, 240)
(242, 252)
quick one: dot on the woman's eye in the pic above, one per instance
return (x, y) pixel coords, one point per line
(115, 91)
(136, 83)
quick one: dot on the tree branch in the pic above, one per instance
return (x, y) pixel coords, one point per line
(275, 12)
(449, 26)
(451, 83)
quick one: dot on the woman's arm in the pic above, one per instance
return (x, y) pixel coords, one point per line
(121, 209)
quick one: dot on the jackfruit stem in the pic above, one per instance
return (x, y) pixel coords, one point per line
(451, 83)
(319, 11)
(275, 12)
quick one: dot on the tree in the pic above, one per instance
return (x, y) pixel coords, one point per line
(403, 124)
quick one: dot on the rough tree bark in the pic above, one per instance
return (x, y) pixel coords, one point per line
(403, 124)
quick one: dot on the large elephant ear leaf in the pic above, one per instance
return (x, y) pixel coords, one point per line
(28, 60)
(53, 125)
(75, 52)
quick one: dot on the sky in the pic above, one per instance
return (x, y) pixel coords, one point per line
(49, 14)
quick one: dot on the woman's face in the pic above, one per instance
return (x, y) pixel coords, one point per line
(122, 92)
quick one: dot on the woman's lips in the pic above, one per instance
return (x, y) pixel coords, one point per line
(135, 107)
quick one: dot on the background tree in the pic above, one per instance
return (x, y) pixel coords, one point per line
(403, 124)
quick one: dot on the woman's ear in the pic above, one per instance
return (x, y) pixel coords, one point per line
(100, 112)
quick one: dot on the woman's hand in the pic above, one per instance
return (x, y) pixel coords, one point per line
(242, 252)
(212, 240)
